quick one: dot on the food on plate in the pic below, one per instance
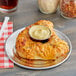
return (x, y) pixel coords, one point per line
(39, 32)
(53, 49)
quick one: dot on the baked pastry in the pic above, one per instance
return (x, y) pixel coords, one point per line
(53, 49)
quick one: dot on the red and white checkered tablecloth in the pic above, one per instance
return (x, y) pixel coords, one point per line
(4, 60)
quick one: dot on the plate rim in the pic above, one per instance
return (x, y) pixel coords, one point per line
(42, 68)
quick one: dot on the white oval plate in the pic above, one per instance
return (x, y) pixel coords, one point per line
(10, 43)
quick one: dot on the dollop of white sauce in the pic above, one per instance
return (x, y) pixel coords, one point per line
(40, 32)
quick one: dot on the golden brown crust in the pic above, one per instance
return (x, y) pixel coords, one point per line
(53, 49)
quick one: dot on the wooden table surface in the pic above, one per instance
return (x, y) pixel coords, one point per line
(29, 13)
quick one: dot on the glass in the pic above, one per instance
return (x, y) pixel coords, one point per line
(48, 6)
(7, 6)
(68, 8)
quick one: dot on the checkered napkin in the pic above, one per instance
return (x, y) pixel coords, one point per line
(4, 60)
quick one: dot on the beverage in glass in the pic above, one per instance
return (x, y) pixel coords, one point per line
(7, 6)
